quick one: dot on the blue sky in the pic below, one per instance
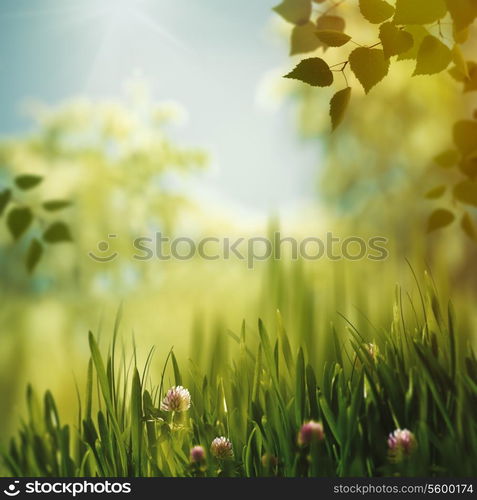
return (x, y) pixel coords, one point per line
(208, 55)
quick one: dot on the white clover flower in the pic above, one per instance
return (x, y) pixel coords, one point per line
(197, 454)
(309, 432)
(221, 448)
(401, 444)
(176, 399)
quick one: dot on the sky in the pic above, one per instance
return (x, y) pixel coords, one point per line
(211, 56)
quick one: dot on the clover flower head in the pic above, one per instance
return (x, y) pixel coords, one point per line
(197, 454)
(176, 399)
(310, 431)
(221, 448)
(401, 444)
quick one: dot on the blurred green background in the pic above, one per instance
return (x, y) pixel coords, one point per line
(172, 116)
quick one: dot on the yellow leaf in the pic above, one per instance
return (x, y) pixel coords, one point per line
(375, 11)
(459, 61)
(465, 136)
(418, 34)
(463, 13)
(470, 84)
(439, 218)
(419, 11)
(466, 192)
(333, 38)
(436, 192)
(469, 164)
(303, 39)
(469, 80)
(468, 226)
(369, 65)
(448, 158)
(433, 57)
(338, 105)
(313, 71)
(457, 75)
(294, 11)
(326, 22)
(460, 36)
(335, 23)
(394, 40)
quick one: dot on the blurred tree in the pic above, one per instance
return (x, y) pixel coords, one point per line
(113, 161)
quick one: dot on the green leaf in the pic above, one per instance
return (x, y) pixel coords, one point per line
(433, 57)
(466, 192)
(5, 197)
(463, 12)
(312, 393)
(436, 192)
(136, 421)
(58, 232)
(431, 374)
(177, 372)
(89, 389)
(294, 11)
(448, 158)
(26, 182)
(313, 71)
(439, 218)
(468, 226)
(375, 11)
(54, 205)
(34, 255)
(300, 388)
(333, 38)
(394, 40)
(418, 34)
(18, 221)
(338, 105)
(303, 39)
(284, 343)
(106, 394)
(465, 136)
(419, 11)
(248, 456)
(330, 419)
(369, 65)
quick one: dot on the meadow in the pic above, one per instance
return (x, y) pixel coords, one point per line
(258, 384)
(112, 366)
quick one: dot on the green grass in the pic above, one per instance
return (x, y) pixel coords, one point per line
(259, 391)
